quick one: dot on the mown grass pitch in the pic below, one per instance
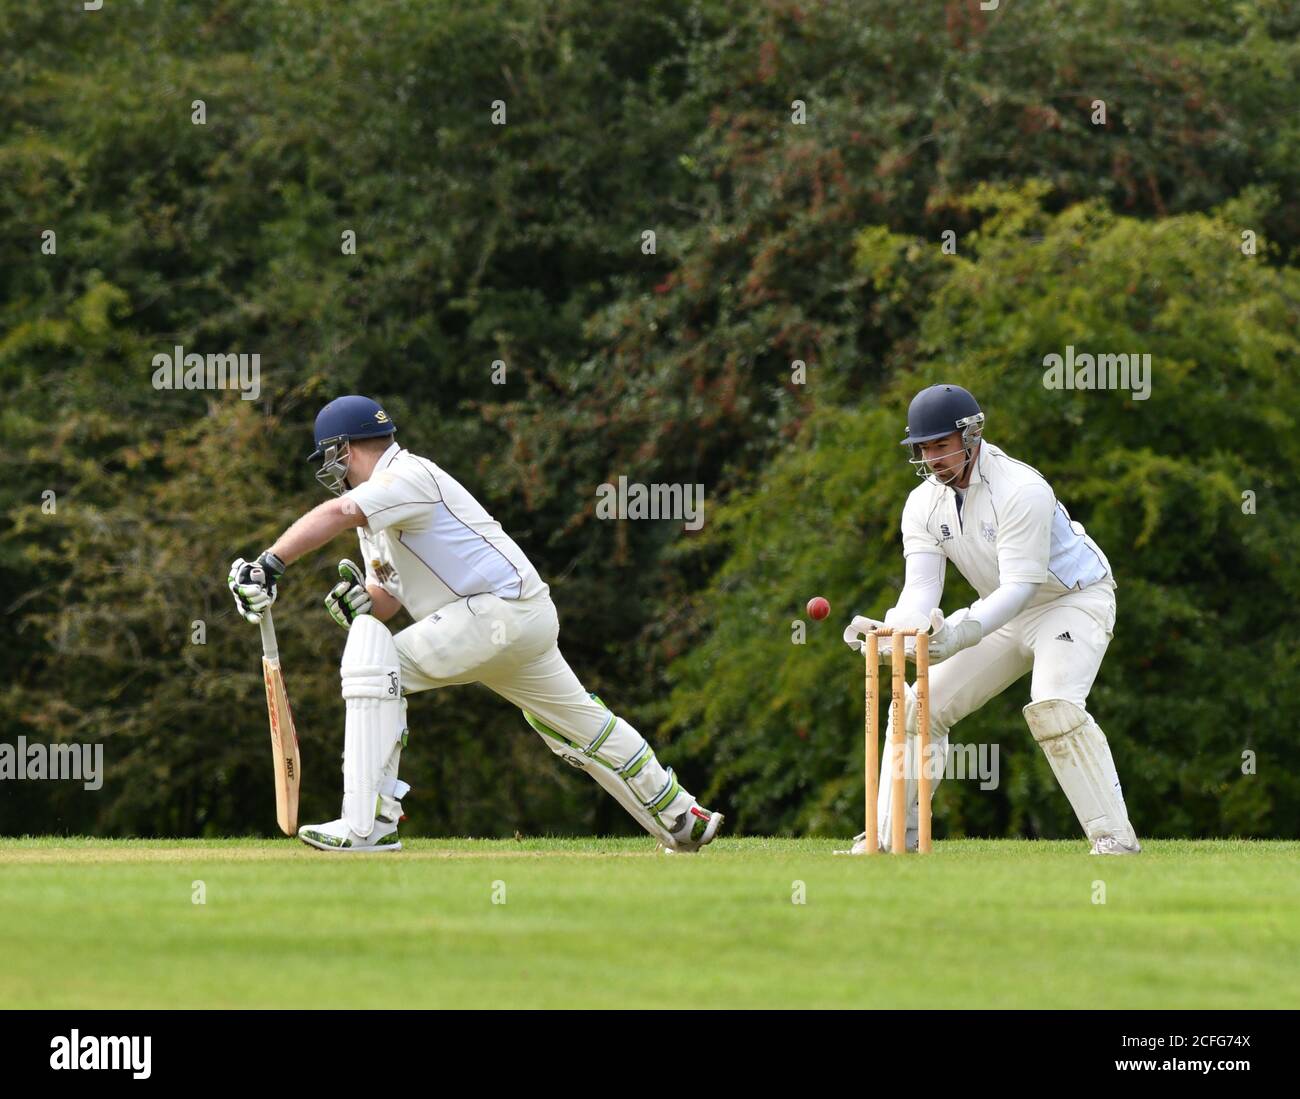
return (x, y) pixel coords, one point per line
(610, 923)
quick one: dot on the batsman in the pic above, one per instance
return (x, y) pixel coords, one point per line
(1046, 605)
(481, 613)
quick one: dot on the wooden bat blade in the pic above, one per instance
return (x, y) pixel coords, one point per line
(284, 748)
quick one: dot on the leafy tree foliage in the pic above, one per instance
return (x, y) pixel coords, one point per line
(776, 242)
(1189, 492)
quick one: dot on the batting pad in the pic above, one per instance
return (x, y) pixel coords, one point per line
(372, 693)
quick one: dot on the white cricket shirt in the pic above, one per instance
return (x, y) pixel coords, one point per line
(1011, 528)
(428, 542)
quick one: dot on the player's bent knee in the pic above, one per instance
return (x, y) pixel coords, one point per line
(370, 667)
(1054, 717)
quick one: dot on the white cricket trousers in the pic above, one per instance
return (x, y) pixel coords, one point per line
(508, 645)
(1062, 643)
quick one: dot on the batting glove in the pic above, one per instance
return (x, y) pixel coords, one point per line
(348, 598)
(253, 584)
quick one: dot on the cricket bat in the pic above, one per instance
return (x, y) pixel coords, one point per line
(284, 737)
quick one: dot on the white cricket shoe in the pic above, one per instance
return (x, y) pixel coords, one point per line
(337, 836)
(693, 829)
(860, 844)
(1109, 845)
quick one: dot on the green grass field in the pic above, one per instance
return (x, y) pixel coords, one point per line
(611, 923)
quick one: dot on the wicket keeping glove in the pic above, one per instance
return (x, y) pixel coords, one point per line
(948, 638)
(855, 631)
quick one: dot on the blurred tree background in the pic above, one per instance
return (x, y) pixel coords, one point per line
(776, 242)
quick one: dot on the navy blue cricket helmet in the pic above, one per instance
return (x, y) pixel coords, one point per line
(937, 411)
(350, 417)
(940, 410)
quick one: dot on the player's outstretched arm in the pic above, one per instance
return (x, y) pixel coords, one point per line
(318, 527)
(922, 590)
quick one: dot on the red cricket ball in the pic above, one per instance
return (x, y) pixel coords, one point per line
(818, 608)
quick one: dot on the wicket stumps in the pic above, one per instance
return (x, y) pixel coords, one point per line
(898, 741)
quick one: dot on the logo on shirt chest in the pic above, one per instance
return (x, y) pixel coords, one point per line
(945, 532)
(383, 571)
(988, 532)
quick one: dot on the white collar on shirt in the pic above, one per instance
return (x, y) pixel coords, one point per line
(388, 456)
(977, 477)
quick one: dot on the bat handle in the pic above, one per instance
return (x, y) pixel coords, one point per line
(270, 649)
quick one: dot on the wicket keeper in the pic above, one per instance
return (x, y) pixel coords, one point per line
(482, 615)
(1046, 605)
